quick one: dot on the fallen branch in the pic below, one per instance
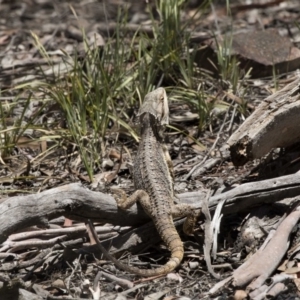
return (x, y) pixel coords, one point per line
(253, 194)
(73, 201)
(78, 203)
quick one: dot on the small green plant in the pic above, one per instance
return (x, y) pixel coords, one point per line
(13, 126)
(197, 99)
(228, 64)
(275, 78)
(171, 50)
(92, 97)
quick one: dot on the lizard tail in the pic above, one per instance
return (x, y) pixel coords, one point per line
(170, 237)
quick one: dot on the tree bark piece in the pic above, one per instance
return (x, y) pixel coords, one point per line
(275, 123)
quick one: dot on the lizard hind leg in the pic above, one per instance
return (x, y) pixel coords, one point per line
(186, 210)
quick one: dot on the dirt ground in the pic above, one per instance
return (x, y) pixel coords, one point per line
(71, 273)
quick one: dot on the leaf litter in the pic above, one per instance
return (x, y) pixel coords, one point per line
(38, 42)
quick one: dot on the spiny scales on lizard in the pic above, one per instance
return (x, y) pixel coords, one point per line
(153, 180)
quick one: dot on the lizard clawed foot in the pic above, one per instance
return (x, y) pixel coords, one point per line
(190, 222)
(122, 200)
(120, 197)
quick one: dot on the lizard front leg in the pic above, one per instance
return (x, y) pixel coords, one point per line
(186, 210)
(125, 202)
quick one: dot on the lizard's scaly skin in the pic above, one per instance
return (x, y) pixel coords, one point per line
(153, 179)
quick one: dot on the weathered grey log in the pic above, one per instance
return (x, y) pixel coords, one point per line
(275, 123)
(78, 203)
(73, 201)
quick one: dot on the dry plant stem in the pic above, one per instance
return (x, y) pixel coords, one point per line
(91, 235)
(30, 243)
(95, 290)
(232, 118)
(31, 64)
(261, 265)
(16, 246)
(6, 255)
(215, 227)
(223, 266)
(122, 282)
(19, 265)
(220, 285)
(209, 237)
(136, 287)
(50, 297)
(74, 269)
(48, 232)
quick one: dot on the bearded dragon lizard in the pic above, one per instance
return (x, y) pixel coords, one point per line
(153, 178)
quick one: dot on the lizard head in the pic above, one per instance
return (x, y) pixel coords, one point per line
(156, 104)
